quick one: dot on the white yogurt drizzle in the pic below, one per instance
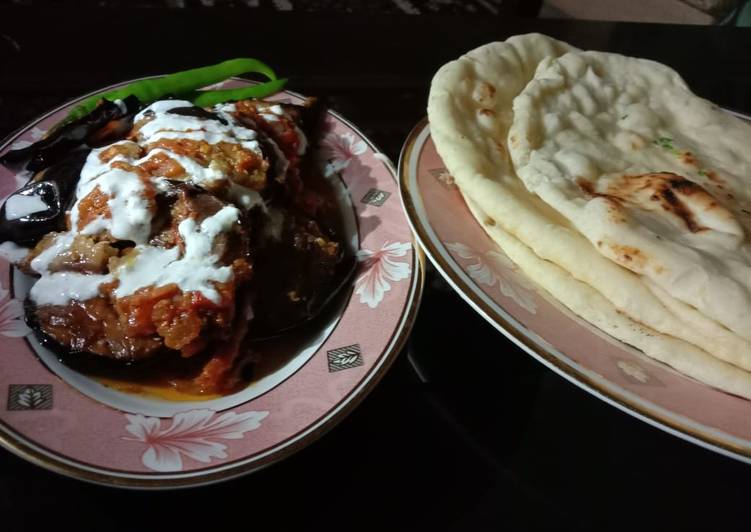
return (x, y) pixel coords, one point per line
(171, 126)
(94, 166)
(59, 288)
(19, 206)
(194, 271)
(197, 268)
(131, 214)
(60, 244)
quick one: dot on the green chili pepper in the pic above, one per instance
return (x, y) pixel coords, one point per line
(208, 98)
(149, 90)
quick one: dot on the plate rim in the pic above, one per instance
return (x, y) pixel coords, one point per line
(26, 449)
(709, 438)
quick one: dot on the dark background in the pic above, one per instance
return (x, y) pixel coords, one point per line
(487, 439)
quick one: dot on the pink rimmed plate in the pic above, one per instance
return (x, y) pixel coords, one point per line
(492, 284)
(78, 426)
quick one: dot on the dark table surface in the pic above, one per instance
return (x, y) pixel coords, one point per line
(488, 439)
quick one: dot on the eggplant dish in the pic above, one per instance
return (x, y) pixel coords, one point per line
(181, 234)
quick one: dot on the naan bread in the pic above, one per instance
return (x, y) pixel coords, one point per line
(586, 302)
(655, 177)
(471, 111)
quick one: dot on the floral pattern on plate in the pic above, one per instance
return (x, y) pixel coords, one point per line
(11, 316)
(194, 434)
(479, 268)
(339, 150)
(380, 269)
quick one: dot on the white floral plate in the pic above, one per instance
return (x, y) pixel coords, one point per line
(492, 284)
(78, 426)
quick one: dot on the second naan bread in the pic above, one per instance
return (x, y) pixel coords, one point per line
(656, 178)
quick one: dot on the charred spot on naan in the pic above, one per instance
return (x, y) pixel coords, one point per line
(630, 257)
(629, 254)
(486, 118)
(689, 159)
(671, 203)
(501, 149)
(484, 93)
(714, 178)
(587, 187)
(680, 197)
